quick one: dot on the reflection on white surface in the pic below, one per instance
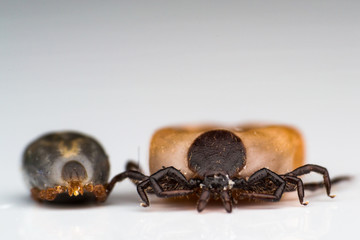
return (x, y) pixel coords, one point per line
(122, 217)
(5, 206)
(273, 224)
(63, 224)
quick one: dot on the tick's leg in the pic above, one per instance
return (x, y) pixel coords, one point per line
(203, 200)
(174, 174)
(133, 166)
(260, 196)
(316, 185)
(170, 172)
(152, 182)
(299, 187)
(133, 175)
(261, 175)
(313, 168)
(141, 191)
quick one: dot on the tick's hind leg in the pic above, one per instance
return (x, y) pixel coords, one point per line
(317, 185)
(153, 182)
(306, 169)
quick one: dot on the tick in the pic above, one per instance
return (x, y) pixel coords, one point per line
(67, 165)
(258, 163)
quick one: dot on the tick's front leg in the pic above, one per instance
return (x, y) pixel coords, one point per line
(153, 182)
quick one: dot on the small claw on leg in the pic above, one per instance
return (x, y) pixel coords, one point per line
(144, 204)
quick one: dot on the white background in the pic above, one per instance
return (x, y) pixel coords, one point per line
(119, 70)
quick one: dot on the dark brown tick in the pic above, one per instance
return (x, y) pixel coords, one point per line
(249, 162)
(67, 166)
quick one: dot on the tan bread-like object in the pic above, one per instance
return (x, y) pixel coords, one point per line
(276, 147)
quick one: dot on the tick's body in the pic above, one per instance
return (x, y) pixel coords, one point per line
(278, 148)
(228, 163)
(67, 165)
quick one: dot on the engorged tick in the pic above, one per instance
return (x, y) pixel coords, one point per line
(68, 166)
(230, 164)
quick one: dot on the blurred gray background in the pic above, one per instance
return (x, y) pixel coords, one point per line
(118, 70)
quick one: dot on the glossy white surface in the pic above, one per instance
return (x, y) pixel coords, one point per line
(122, 217)
(118, 71)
